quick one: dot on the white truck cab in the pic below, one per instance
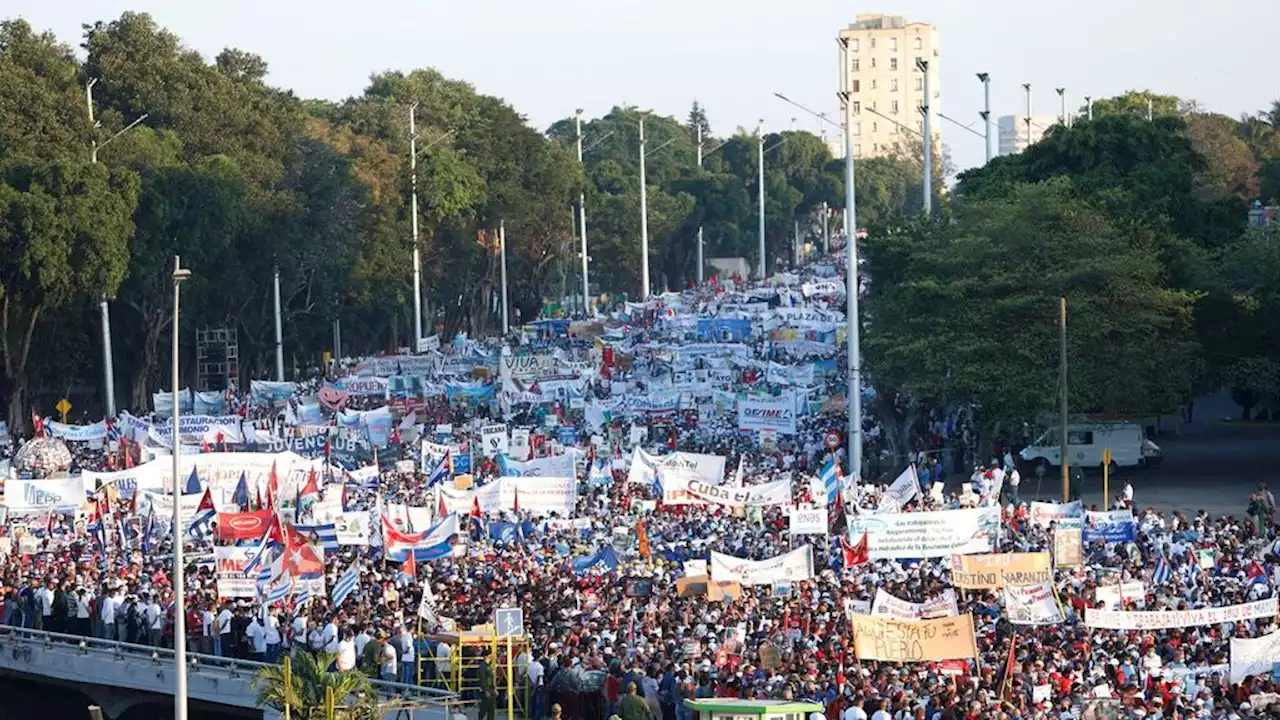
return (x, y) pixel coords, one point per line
(1087, 443)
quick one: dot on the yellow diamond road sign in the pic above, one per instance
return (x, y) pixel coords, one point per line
(63, 407)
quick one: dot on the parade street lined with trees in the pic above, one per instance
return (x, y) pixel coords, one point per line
(1140, 223)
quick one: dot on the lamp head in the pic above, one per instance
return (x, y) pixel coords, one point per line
(984, 77)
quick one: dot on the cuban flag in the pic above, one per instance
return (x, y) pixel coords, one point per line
(148, 526)
(345, 585)
(1163, 573)
(202, 524)
(113, 432)
(274, 538)
(326, 536)
(831, 482)
(440, 471)
(432, 544)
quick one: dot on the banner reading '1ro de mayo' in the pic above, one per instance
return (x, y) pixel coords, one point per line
(881, 638)
(927, 534)
(1165, 619)
(990, 572)
(765, 495)
(795, 565)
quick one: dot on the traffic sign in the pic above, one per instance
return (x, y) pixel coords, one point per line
(833, 440)
(63, 407)
(508, 622)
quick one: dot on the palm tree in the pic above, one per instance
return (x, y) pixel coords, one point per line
(303, 682)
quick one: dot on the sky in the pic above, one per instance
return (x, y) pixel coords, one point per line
(549, 57)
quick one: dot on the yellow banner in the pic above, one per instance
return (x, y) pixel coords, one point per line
(988, 572)
(880, 638)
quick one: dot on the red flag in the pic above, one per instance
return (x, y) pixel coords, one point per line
(516, 504)
(409, 566)
(643, 537)
(37, 425)
(328, 450)
(442, 511)
(475, 507)
(222, 440)
(312, 487)
(273, 485)
(1255, 569)
(854, 555)
(204, 446)
(395, 434)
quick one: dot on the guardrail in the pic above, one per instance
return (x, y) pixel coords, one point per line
(76, 658)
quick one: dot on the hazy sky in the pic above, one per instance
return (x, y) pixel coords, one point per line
(547, 57)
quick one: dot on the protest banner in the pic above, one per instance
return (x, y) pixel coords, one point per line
(765, 495)
(266, 392)
(1254, 656)
(943, 605)
(235, 526)
(494, 440)
(198, 429)
(992, 571)
(708, 469)
(1114, 596)
(776, 414)
(366, 386)
(1166, 619)
(881, 638)
(352, 527)
(1032, 603)
(1112, 526)
(527, 367)
(927, 534)
(795, 565)
(808, 521)
(537, 495)
(554, 466)
(1067, 543)
(26, 497)
(77, 433)
(1044, 514)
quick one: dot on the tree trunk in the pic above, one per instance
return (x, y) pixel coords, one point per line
(16, 410)
(146, 372)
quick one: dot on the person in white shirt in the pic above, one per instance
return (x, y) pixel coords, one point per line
(389, 666)
(110, 603)
(257, 637)
(153, 616)
(346, 652)
(361, 640)
(45, 597)
(443, 659)
(408, 663)
(273, 639)
(1015, 479)
(206, 631)
(1128, 493)
(330, 636)
(883, 712)
(299, 635)
(83, 610)
(854, 712)
(222, 641)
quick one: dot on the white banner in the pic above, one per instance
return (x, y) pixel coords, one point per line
(1165, 619)
(554, 466)
(1043, 513)
(527, 367)
(364, 386)
(708, 469)
(197, 429)
(537, 495)
(1254, 656)
(519, 447)
(792, 566)
(777, 414)
(808, 521)
(233, 582)
(25, 497)
(927, 534)
(77, 433)
(162, 506)
(1032, 604)
(765, 495)
(1113, 595)
(903, 490)
(943, 605)
(494, 440)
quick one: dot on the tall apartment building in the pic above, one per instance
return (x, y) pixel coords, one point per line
(887, 88)
(1013, 136)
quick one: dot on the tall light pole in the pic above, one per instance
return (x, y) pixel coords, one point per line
(502, 248)
(1062, 102)
(760, 191)
(413, 205)
(179, 532)
(927, 111)
(1026, 87)
(108, 359)
(644, 223)
(698, 120)
(1088, 103)
(275, 281)
(986, 111)
(826, 232)
(582, 216)
(853, 390)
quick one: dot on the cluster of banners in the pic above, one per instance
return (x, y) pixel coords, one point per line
(943, 605)
(537, 495)
(1166, 619)
(927, 534)
(708, 469)
(882, 638)
(789, 567)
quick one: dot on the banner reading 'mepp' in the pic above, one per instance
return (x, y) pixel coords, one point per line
(777, 414)
(927, 534)
(1165, 619)
(880, 638)
(795, 565)
(28, 496)
(766, 495)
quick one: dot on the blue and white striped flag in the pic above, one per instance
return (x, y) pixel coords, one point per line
(831, 482)
(325, 536)
(304, 595)
(280, 590)
(1163, 573)
(345, 585)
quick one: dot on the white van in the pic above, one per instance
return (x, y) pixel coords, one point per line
(1086, 443)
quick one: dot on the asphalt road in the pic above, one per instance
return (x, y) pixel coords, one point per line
(1212, 465)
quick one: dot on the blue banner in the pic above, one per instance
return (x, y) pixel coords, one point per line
(1113, 526)
(723, 329)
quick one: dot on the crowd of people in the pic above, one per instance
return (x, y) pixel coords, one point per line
(613, 624)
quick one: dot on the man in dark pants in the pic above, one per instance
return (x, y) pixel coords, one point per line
(488, 693)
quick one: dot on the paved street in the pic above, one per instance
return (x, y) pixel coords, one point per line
(1213, 465)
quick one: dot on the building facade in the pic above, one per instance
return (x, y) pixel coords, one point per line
(1013, 131)
(887, 85)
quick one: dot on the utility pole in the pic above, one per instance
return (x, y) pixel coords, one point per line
(413, 204)
(698, 120)
(582, 218)
(760, 192)
(927, 139)
(1062, 101)
(337, 341)
(986, 111)
(853, 391)
(1027, 88)
(279, 335)
(1062, 386)
(644, 223)
(179, 530)
(1088, 101)
(795, 245)
(826, 230)
(502, 245)
(1150, 110)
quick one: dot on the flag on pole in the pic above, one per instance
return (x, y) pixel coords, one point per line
(241, 496)
(193, 483)
(857, 554)
(345, 585)
(206, 513)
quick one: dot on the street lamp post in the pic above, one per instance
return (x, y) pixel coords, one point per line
(927, 139)
(1062, 102)
(986, 111)
(275, 282)
(700, 261)
(1026, 87)
(582, 216)
(502, 248)
(1088, 102)
(853, 390)
(760, 192)
(413, 210)
(644, 223)
(179, 586)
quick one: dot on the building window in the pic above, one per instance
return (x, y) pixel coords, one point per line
(857, 148)
(875, 128)
(857, 107)
(918, 43)
(893, 44)
(920, 83)
(916, 65)
(893, 85)
(893, 107)
(873, 83)
(873, 63)
(853, 45)
(893, 63)
(857, 128)
(854, 65)
(856, 87)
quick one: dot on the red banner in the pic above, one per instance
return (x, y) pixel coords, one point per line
(243, 525)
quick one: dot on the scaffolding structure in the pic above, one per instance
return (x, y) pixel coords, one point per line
(217, 359)
(469, 650)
